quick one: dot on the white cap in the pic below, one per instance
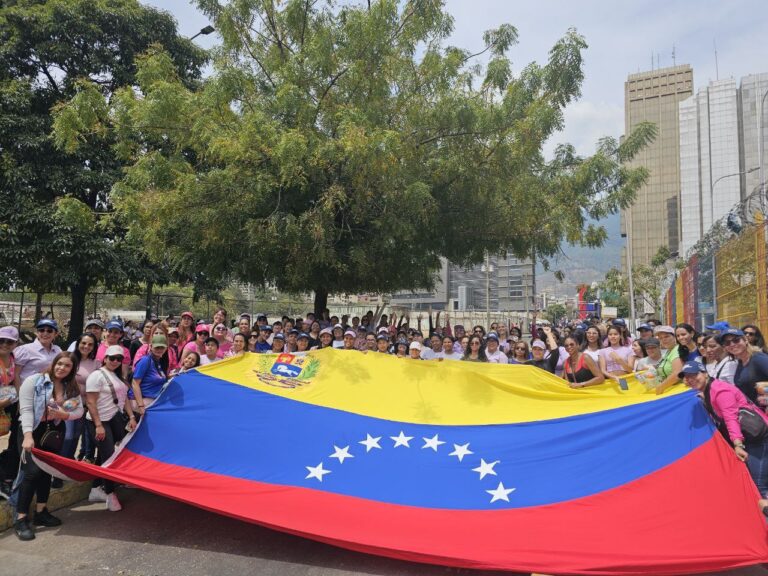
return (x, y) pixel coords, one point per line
(115, 350)
(538, 344)
(415, 345)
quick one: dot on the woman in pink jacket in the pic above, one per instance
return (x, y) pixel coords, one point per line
(723, 402)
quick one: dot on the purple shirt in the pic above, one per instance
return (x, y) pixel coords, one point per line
(33, 358)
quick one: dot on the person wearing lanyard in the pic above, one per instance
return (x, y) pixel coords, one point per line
(148, 376)
(106, 398)
(670, 364)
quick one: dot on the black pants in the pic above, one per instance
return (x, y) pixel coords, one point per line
(114, 431)
(9, 459)
(35, 482)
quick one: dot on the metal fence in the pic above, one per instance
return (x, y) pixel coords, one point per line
(728, 282)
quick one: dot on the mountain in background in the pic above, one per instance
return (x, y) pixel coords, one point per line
(583, 265)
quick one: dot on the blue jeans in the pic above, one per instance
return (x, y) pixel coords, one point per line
(757, 463)
(73, 429)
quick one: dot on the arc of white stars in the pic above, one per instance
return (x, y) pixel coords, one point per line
(486, 468)
(402, 440)
(370, 442)
(433, 443)
(317, 472)
(341, 454)
(500, 493)
(460, 451)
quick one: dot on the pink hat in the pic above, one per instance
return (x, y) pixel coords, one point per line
(538, 344)
(326, 331)
(10, 333)
(188, 314)
(351, 333)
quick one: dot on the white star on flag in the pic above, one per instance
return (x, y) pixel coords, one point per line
(500, 493)
(432, 443)
(317, 472)
(486, 468)
(370, 443)
(341, 453)
(402, 440)
(461, 451)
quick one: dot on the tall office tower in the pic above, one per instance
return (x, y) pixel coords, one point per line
(709, 159)
(753, 99)
(653, 220)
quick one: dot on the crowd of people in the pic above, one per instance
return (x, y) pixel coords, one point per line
(80, 403)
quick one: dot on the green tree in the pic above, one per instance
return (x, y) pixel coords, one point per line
(347, 148)
(614, 291)
(555, 312)
(57, 231)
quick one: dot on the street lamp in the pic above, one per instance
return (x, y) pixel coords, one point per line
(204, 31)
(487, 268)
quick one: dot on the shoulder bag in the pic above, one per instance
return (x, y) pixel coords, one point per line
(52, 439)
(122, 417)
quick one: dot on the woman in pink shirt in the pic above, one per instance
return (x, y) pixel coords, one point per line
(169, 361)
(614, 359)
(723, 402)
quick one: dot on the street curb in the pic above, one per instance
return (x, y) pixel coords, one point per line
(71, 493)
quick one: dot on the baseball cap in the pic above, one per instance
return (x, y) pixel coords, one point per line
(618, 322)
(691, 367)
(664, 329)
(382, 336)
(326, 331)
(339, 326)
(189, 314)
(10, 333)
(265, 328)
(293, 331)
(729, 332)
(351, 333)
(719, 326)
(47, 322)
(645, 327)
(173, 330)
(261, 316)
(492, 336)
(538, 344)
(95, 322)
(202, 328)
(114, 325)
(115, 350)
(279, 336)
(651, 342)
(415, 346)
(159, 341)
(303, 335)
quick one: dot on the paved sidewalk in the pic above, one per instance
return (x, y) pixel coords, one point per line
(158, 536)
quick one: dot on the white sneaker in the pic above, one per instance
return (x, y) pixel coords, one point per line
(113, 504)
(97, 495)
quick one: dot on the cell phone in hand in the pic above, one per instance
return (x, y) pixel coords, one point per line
(623, 384)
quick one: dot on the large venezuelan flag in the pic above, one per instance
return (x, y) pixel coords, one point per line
(455, 463)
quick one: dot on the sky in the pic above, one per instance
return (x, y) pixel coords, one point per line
(623, 38)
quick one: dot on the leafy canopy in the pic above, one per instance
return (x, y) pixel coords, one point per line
(346, 148)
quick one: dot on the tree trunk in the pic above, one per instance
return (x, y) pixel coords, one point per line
(38, 306)
(321, 302)
(77, 317)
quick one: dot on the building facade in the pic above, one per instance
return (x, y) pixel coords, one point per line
(654, 218)
(505, 284)
(719, 152)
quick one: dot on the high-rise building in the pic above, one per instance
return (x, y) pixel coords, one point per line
(753, 100)
(719, 152)
(653, 220)
(506, 284)
(709, 159)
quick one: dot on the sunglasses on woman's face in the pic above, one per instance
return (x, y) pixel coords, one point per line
(520, 349)
(730, 341)
(46, 330)
(6, 342)
(750, 333)
(115, 358)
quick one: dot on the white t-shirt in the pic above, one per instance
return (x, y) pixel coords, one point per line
(444, 356)
(429, 354)
(98, 381)
(724, 370)
(205, 360)
(497, 357)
